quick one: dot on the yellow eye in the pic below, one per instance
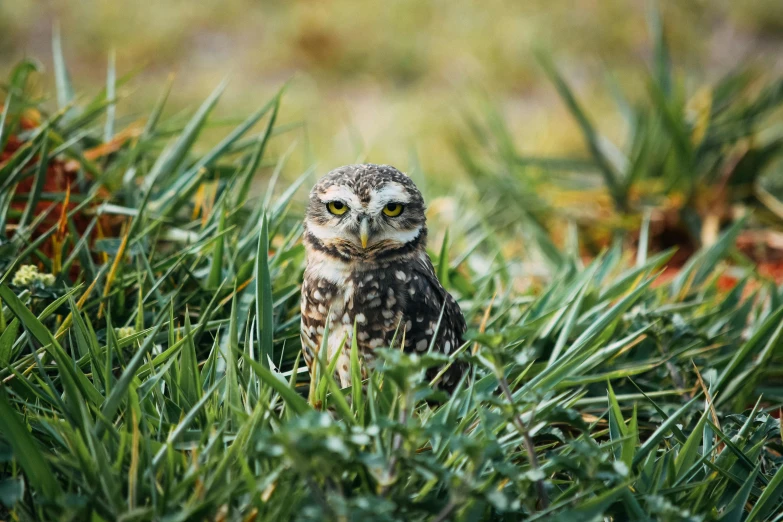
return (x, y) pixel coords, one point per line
(338, 208)
(392, 209)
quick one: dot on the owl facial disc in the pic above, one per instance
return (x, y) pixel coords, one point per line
(365, 213)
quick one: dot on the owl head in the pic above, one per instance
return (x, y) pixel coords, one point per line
(365, 212)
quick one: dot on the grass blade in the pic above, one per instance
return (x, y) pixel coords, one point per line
(264, 312)
(62, 79)
(39, 473)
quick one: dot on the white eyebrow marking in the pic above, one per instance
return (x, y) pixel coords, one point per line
(343, 194)
(389, 193)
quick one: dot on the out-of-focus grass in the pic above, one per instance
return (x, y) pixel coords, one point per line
(379, 80)
(150, 355)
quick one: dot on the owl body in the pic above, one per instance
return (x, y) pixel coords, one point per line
(367, 265)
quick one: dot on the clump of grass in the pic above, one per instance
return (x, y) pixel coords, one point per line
(694, 157)
(159, 379)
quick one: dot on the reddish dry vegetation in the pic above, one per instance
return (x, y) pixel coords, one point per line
(763, 247)
(61, 178)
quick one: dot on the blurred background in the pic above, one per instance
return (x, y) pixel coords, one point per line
(568, 122)
(389, 80)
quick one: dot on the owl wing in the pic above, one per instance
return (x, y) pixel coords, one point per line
(426, 299)
(312, 323)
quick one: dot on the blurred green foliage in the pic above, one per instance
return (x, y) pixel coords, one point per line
(380, 80)
(696, 157)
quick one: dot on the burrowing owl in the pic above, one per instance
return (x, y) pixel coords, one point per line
(365, 236)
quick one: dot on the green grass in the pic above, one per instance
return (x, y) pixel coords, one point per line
(159, 377)
(694, 157)
(698, 154)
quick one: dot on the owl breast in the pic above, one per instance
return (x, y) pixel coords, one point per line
(372, 299)
(391, 304)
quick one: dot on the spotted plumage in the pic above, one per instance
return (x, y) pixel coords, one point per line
(365, 236)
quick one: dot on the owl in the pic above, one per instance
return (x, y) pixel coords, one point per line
(365, 234)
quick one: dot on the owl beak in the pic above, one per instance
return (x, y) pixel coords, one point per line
(364, 231)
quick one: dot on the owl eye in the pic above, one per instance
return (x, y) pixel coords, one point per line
(338, 208)
(392, 209)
